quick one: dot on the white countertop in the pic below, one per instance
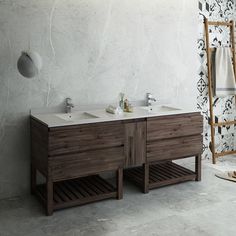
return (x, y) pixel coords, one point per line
(100, 115)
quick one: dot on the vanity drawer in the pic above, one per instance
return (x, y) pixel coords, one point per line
(169, 149)
(174, 126)
(86, 163)
(80, 138)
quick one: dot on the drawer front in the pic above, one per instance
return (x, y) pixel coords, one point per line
(168, 149)
(174, 126)
(86, 163)
(85, 137)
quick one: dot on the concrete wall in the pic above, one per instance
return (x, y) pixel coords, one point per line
(91, 50)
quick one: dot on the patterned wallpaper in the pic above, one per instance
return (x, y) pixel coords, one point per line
(221, 10)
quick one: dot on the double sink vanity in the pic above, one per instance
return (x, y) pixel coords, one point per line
(72, 150)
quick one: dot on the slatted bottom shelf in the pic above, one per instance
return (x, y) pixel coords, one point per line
(78, 191)
(160, 175)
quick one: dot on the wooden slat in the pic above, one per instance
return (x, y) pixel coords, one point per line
(66, 193)
(157, 170)
(107, 185)
(161, 175)
(210, 92)
(171, 171)
(180, 169)
(73, 189)
(225, 123)
(156, 174)
(218, 23)
(225, 153)
(232, 28)
(86, 188)
(92, 186)
(101, 187)
(213, 49)
(78, 188)
(61, 193)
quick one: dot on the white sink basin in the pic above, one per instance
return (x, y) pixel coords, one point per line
(76, 116)
(160, 109)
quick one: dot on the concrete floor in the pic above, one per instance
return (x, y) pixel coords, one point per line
(192, 208)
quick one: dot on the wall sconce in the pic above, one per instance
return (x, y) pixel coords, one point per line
(29, 64)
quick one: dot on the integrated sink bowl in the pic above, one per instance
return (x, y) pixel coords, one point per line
(73, 117)
(160, 109)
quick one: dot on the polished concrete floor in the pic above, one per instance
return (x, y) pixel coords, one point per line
(192, 208)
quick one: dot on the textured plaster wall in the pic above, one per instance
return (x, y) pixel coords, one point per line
(91, 50)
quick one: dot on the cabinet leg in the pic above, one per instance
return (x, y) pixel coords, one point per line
(49, 206)
(119, 183)
(146, 178)
(33, 179)
(198, 167)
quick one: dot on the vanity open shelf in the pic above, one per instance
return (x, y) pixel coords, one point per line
(79, 191)
(161, 174)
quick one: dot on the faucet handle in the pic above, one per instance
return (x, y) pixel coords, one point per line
(150, 99)
(150, 96)
(68, 101)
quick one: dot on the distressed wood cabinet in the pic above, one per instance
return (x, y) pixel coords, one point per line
(65, 154)
(169, 138)
(72, 157)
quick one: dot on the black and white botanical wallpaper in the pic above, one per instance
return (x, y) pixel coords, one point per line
(219, 10)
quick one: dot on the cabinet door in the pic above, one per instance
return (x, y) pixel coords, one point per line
(135, 143)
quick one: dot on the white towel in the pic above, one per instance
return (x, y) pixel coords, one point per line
(224, 73)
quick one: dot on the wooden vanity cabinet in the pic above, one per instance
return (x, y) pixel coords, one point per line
(169, 138)
(71, 158)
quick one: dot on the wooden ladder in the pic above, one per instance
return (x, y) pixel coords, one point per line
(209, 51)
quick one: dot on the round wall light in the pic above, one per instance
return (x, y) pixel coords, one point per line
(29, 64)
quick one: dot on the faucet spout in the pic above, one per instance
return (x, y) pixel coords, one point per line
(69, 105)
(150, 99)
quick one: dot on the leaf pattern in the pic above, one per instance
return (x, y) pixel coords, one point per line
(217, 10)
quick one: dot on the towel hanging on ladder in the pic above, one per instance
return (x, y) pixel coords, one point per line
(223, 73)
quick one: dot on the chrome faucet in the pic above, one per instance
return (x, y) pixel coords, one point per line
(69, 105)
(150, 99)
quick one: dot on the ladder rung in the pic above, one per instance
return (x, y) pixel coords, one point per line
(217, 23)
(225, 153)
(212, 49)
(224, 123)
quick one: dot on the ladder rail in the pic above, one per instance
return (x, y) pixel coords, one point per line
(210, 90)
